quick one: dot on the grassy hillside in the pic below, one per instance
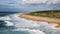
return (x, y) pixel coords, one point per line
(47, 13)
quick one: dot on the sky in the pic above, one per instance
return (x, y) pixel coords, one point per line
(28, 5)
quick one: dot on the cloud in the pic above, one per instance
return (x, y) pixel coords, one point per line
(32, 5)
(40, 1)
(11, 3)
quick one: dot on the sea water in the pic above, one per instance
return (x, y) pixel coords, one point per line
(17, 25)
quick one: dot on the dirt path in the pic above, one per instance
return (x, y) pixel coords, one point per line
(44, 19)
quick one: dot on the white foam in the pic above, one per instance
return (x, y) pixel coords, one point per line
(36, 32)
(14, 17)
(5, 18)
(31, 31)
(24, 22)
(9, 23)
(21, 22)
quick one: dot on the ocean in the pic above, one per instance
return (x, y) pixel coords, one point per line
(10, 23)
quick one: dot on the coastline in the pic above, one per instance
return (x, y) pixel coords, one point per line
(44, 19)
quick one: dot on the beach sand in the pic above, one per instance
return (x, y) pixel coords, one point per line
(44, 19)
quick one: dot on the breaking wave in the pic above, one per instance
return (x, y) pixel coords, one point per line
(31, 31)
(27, 26)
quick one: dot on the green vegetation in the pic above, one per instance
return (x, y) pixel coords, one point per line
(47, 13)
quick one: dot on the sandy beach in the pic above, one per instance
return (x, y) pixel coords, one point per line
(44, 19)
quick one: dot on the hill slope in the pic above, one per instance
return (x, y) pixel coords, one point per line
(48, 13)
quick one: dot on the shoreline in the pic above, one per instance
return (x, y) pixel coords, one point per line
(44, 19)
